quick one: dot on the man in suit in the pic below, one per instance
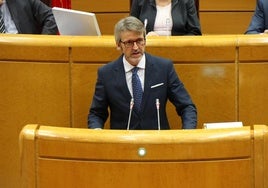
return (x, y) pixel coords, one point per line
(158, 80)
(259, 21)
(28, 17)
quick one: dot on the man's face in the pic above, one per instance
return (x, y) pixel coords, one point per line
(133, 46)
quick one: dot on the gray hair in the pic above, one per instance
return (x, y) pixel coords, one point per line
(129, 23)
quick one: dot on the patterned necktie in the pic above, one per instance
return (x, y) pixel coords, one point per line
(137, 89)
(2, 24)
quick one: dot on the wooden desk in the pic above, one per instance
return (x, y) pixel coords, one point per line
(69, 157)
(50, 80)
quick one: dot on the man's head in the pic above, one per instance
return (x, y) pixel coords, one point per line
(130, 35)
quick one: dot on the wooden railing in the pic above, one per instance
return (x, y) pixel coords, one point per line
(50, 80)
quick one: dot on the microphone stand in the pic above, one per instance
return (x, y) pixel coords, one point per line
(130, 112)
(157, 103)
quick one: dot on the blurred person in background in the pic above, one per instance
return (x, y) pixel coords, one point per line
(167, 17)
(27, 17)
(259, 21)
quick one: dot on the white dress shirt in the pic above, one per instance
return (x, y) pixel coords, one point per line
(128, 67)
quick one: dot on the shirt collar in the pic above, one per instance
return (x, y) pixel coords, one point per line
(128, 67)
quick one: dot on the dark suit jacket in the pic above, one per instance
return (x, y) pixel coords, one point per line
(259, 21)
(161, 81)
(184, 16)
(32, 17)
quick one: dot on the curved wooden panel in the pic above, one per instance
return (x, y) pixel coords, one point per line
(261, 155)
(51, 79)
(33, 47)
(173, 145)
(113, 158)
(253, 48)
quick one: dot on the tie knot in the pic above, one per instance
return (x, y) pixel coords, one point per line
(135, 70)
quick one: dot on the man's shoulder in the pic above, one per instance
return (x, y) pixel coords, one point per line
(264, 4)
(156, 58)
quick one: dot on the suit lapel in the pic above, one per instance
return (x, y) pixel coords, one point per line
(14, 13)
(120, 78)
(149, 76)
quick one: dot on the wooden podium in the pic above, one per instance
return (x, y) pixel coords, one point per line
(73, 157)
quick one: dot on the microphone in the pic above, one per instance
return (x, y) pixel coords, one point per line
(157, 103)
(130, 112)
(145, 23)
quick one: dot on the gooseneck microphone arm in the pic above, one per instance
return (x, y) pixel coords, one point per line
(157, 103)
(130, 112)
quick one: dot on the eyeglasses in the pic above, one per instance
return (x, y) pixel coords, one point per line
(130, 43)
